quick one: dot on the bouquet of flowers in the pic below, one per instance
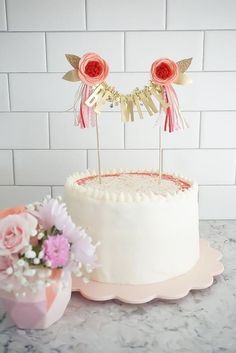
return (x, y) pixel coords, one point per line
(40, 244)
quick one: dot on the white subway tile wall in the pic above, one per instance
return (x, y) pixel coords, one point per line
(6, 168)
(39, 145)
(110, 45)
(4, 93)
(46, 15)
(146, 46)
(3, 20)
(22, 52)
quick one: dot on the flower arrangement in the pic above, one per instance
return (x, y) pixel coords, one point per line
(36, 241)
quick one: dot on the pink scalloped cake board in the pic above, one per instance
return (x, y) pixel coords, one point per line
(199, 277)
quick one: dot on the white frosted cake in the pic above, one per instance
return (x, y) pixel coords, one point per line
(148, 230)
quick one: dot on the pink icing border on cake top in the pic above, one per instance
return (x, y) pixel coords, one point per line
(182, 184)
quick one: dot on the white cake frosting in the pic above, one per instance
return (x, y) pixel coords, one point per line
(148, 230)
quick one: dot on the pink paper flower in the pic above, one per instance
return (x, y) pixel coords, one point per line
(15, 232)
(164, 71)
(92, 69)
(56, 250)
(52, 214)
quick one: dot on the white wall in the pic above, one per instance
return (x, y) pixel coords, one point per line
(39, 146)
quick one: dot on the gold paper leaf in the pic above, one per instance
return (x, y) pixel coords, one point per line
(73, 60)
(183, 65)
(71, 76)
(182, 79)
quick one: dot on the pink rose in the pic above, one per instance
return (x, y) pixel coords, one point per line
(15, 232)
(5, 262)
(92, 69)
(13, 210)
(164, 71)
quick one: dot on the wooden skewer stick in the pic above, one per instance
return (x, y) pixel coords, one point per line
(98, 151)
(160, 147)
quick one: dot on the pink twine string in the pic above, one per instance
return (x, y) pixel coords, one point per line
(85, 116)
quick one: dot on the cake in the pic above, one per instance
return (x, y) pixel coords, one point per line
(147, 228)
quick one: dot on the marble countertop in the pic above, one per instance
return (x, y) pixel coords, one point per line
(202, 322)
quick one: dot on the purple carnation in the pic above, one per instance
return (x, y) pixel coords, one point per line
(56, 249)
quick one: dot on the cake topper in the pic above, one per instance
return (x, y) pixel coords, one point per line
(94, 92)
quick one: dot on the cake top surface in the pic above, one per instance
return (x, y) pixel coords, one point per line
(134, 182)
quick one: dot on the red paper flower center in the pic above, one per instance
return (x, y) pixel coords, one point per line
(93, 69)
(163, 71)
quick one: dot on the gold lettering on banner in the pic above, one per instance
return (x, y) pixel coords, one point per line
(130, 108)
(145, 102)
(100, 103)
(104, 93)
(94, 97)
(150, 101)
(123, 105)
(136, 102)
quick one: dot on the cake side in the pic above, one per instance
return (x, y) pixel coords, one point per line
(145, 236)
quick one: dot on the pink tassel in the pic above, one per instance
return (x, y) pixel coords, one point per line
(85, 116)
(174, 119)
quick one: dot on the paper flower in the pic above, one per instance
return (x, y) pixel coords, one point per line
(56, 249)
(92, 69)
(164, 71)
(15, 232)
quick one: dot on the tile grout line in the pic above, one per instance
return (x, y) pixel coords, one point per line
(49, 131)
(122, 149)
(124, 49)
(124, 128)
(86, 14)
(166, 4)
(203, 50)
(46, 51)
(200, 131)
(8, 74)
(87, 151)
(9, 95)
(114, 72)
(13, 166)
(127, 30)
(6, 15)
(124, 135)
